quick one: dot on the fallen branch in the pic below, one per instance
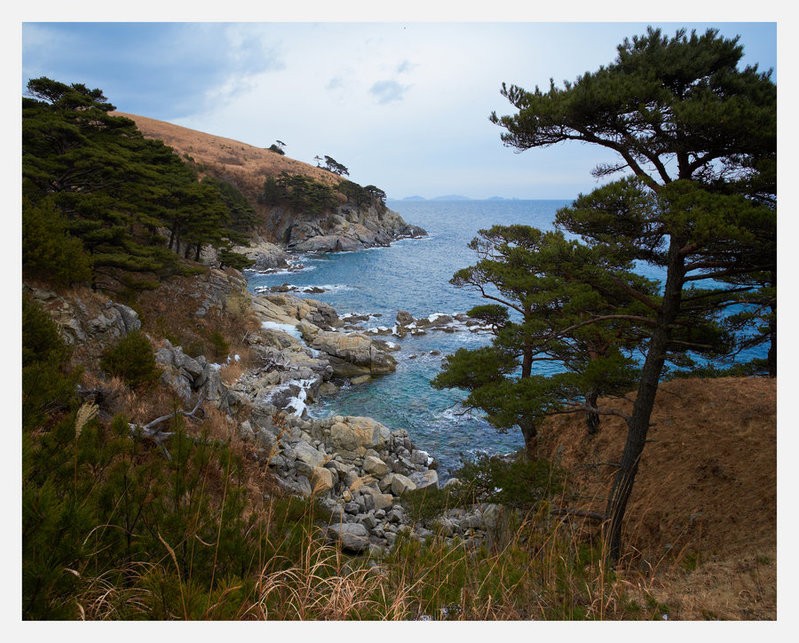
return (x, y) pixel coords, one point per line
(151, 430)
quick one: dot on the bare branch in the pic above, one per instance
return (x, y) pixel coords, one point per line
(150, 431)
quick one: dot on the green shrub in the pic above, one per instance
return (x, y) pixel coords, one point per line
(47, 386)
(49, 252)
(234, 259)
(515, 480)
(132, 359)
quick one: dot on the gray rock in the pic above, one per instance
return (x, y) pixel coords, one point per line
(352, 537)
(357, 434)
(471, 521)
(423, 479)
(368, 520)
(400, 484)
(380, 501)
(305, 453)
(322, 480)
(299, 486)
(396, 515)
(385, 482)
(404, 318)
(353, 355)
(130, 318)
(491, 514)
(375, 466)
(420, 457)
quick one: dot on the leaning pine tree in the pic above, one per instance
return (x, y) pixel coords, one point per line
(697, 136)
(565, 328)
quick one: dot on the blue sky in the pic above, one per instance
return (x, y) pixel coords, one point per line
(403, 104)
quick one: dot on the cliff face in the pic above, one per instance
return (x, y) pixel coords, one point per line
(343, 228)
(348, 228)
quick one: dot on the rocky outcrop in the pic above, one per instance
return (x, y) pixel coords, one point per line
(345, 227)
(302, 325)
(345, 230)
(191, 377)
(87, 319)
(264, 255)
(353, 355)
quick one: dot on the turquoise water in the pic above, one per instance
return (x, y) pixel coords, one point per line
(413, 275)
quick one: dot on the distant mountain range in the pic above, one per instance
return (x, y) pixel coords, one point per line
(453, 197)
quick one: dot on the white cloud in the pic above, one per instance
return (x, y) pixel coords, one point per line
(402, 105)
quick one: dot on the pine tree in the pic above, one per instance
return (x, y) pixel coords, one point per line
(698, 136)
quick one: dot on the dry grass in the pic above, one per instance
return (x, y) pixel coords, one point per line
(170, 312)
(243, 165)
(702, 518)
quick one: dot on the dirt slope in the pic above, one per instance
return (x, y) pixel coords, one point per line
(703, 513)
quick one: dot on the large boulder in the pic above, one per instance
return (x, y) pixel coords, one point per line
(88, 318)
(264, 255)
(304, 452)
(375, 466)
(352, 537)
(322, 480)
(400, 484)
(424, 479)
(354, 435)
(353, 355)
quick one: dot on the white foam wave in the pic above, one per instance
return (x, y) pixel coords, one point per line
(289, 329)
(298, 404)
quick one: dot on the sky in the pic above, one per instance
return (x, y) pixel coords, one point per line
(403, 104)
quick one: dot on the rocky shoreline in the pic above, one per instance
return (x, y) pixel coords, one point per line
(355, 467)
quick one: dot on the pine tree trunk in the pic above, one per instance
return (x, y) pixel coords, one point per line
(530, 435)
(638, 423)
(592, 415)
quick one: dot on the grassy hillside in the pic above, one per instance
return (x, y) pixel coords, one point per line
(246, 166)
(703, 516)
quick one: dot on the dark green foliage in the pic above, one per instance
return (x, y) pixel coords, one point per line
(555, 305)
(49, 251)
(132, 359)
(219, 347)
(108, 506)
(98, 193)
(361, 196)
(698, 136)
(513, 481)
(332, 165)
(47, 386)
(240, 217)
(233, 259)
(271, 193)
(300, 193)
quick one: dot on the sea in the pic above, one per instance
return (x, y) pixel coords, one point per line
(413, 275)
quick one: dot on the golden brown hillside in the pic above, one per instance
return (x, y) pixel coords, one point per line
(244, 165)
(703, 514)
